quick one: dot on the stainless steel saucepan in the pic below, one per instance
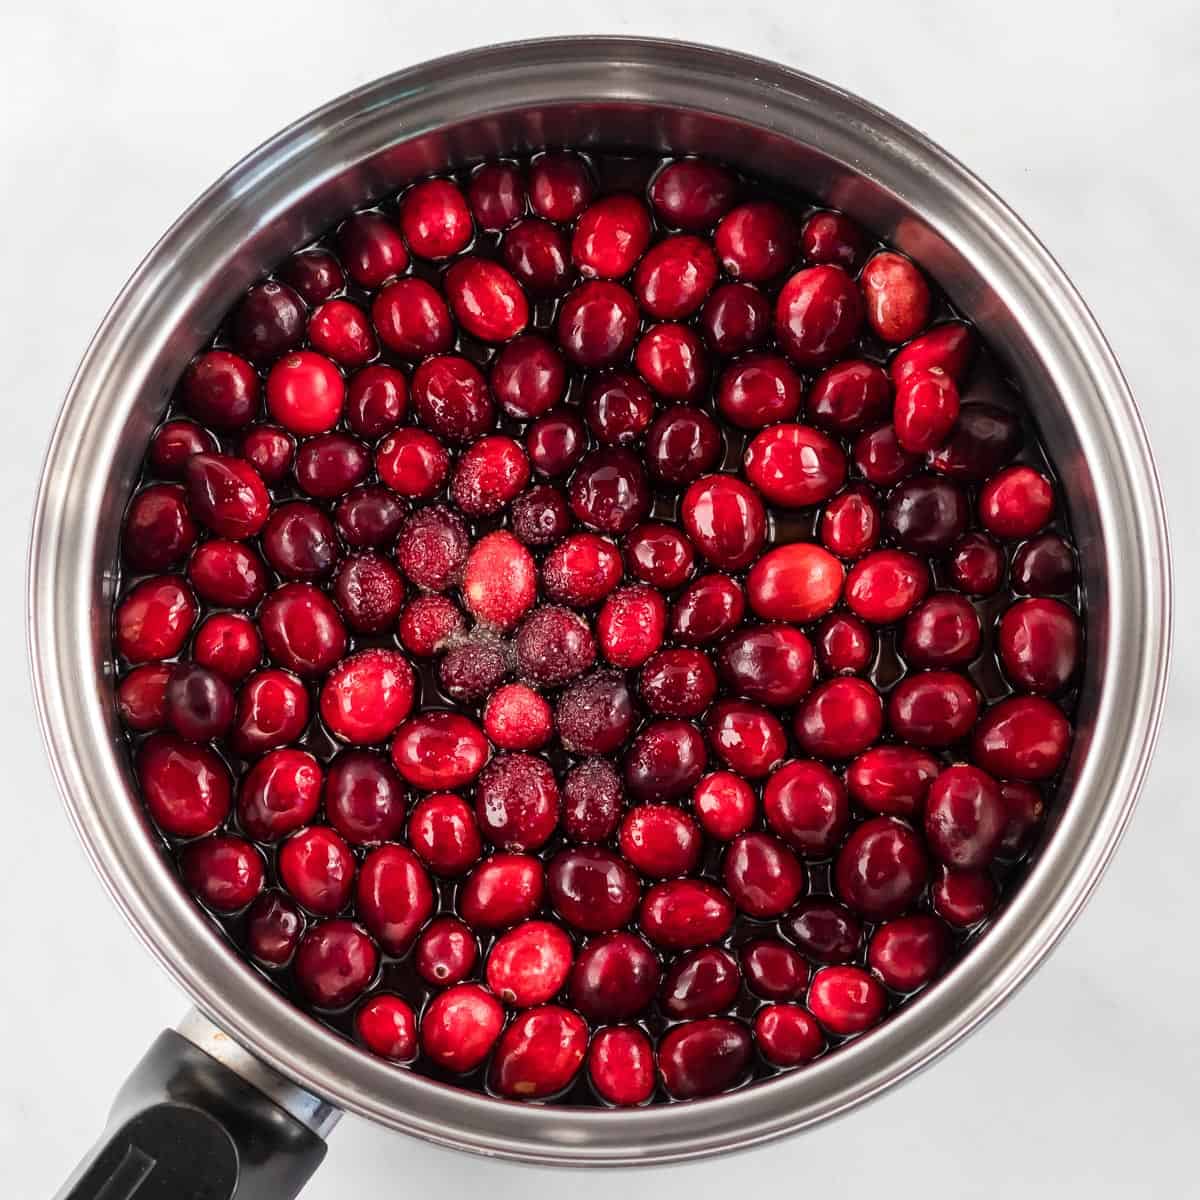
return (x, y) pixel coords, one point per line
(239, 1099)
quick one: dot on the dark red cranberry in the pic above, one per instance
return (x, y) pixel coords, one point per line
(701, 1058)
(926, 515)
(412, 319)
(317, 868)
(555, 442)
(610, 236)
(660, 840)
(341, 330)
(267, 322)
(159, 530)
(154, 619)
(592, 889)
(831, 237)
(227, 495)
(142, 697)
(445, 953)
(825, 930)
(227, 573)
(691, 194)
(665, 761)
(1039, 645)
(675, 276)
(540, 516)
(443, 833)
(224, 873)
(725, 519)
(496, 194)
(186, 787)
(818, 314)
(314, 273)
(302, 629)
(598, 324)
(595, 715)
(681, 914)
(220, 390)
(560, 186)
(335, 963)
(554, 645)
(881, 869)
(174, 443)
(369, 591)
(198, 703)
(933, 708)
(725, 805)
(794, 466)
(434, 219)
(505, 889)
(886, 585)
(429, 623)
(528, 377)
(700, 984)
(376, 400)
(371, 249)
(279, 794)
(984, 438)
(926, 410)
(393, 896)
(387, 1026)
(759, 390)
(270, 451)
(845, 645)
(976, 564)
(621, 1066)
(1044, 566)
(756, 241)
(769, 664)
(709, 608)
(432, 548)
(898, 298)
(962, 898)
(581, 570)
(539, 1053)
(272, 710)
(805, 804)
(609, 491)
(735, 318)
(460, 1027)
(517, 718)
(908, 952)
(881, 458)
(849, 397)
(659, 554)
(273, 927)
(614, 978)
(451, 399)
(671, 359)
(1025, 812)
(839, 718)
(678, 683)
(517, 802)
(1025, 737)
(787, 1035)
(300, 542)
(762, 875)
(681, 445)
(619, 408)
(367, 696)
(948, 348)
(965, 818)
(370, 516)
(846, 1000)
(364, 798)
(796, 582)
(305, 393)
(439, 750)
(943, 631)
(773, 970)
(591, 801)
(537, 254)
(528, 965)
(892, 780)
(471, 670)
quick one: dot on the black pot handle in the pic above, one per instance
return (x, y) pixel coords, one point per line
(204, 1124)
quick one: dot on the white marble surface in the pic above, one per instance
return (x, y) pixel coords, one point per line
(113, 117)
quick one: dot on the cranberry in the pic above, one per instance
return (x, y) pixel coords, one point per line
(439, 750)
(818, 314)
(892, 780)
(965, 818)
(595, 714)
(805, 804)
(317, 869)
(591, 801)
(364, 798)
(335, 963)
(881, 869)
(528, 377)
(279, 794)
(537, 254)
(614, 978)
(592, 889)
(756, 241)
(267, 322)
(371, 249)
(797, 582)
(1025, 811)
(700, 984)
(496, 194)
(539, 1053)
(220, 390)
(300, 542)
(773, 969)
(154, 619)
(270, 451)
(433, 548)
(609, 491)
(678, 683)
(660, 840)
(186, 787)
(272, 710)
(227, 495)
(429, 623)
(581, 570)
(794, 465)
(486, 299)
(845, 645)
(340, 330)
(227, 573)
(709, 608)
(387, 1026)
(927, 407)
(517, 801)
(631, 624)
(681, 914)
(471, 670)
(831, 237)
(898, 298)
(224, 873)
(846, 1000)
(681, 445)
(674, 278)
(555, 443)
(434, 219)
(517, 718)
(1043, 566)
(159, 530)
(610, 236)
(528, 965)
(881, 458)
(691, 194)
(725, 805)
(499, 579)
(1039, 644)
(787, 1036)
(443, 833)
(926, 515)
(671, 359)
(305, 393)
(368, 695)
(302, 629)
(505, 889)
(376, 401)
(540, 516)
(1025, 737)
(963, 898)
(597, 324)
(948, 348)
(412, 319)
(369, 516)
(825, 930)
(735, 318)
(445, 953)
(725, 519)
(621, 1066)
(619, 408)
(369, 591)
(839, 718)
(943, 631)
(393, 896)
(701, 1058)
(554, 645)
(314, 273)
(273, 927)
(908, 952)
(976, 564)
(665, 761)
(984, 438)
(850, 523)
(174, 443)
(560, 186)
(659, 554)
(142, 697)
(934, 708)
(460, 1026)
(762, 875)
(770, 664)
(849, 397)
(451, 399)
(198, 703)
(886, 585)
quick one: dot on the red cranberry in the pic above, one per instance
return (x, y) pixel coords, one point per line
(1044, 566)
(142, 697)
(825, 930)
(881, 869)
(598, 324)
(159, 530)
(898, 298)
(805, 804)
(735, 318)
(849, 397)
(340, 330)
(671, 359)
(528, 965)
(758, 391)
(581, 570)
(675, 276)
(412, 462)
(445, 953)
(393, 896)
(369, 591)
(725, 519)
(273, 927)
(451, 399)
(270, 451)
(660, 840)
(1025, 812)
(619, 408)
(174, 443)
(387, 1026)
(555, 443)
(267, 322)
(764, 878)
(892, 780)
(725, 805)
(432, 548)
(154, 619)
(948, 348)
(845, 645)
(773, 970)
(591, 801)
(220, 390)
(412, 319)
(769, 664)
(592, 889)
(429, 623)
(846, 1000)
(797, 582)
(540, 516)
(517, 801)
(850, 523)
(665, 761)
(279, 794)
(434, 219)
(984, 438)
(831, 237)
(486, 299)
(198, 703)
(300, 542)
(367, 696)
(943, 631)
(227, 495)
(681, 445)
(460, 1026)
(314, 273)
(659, 554)
(818, 314)
(317, 868)
(186, 787)
(371, 249)
(610, 236)
(517, 718)
(499, 579)
(886, 585)
(560, 186)
(962, 898)
(700, 984)
(439, 750)
(227, 573)
(756, 241)
(709, 608)
(934, 708)
(609, 491)
(596, 714)
(965, 818)
(539, 1053)
(272, 710)
(976, 564)
(881, 458)
(908, 952)
(554, 645)
(505, 889)
(443, 833)
(681, 914)
(224, 873)
(538, 255)
(369, 516)
(335, 963)
(926, 410)
(1024, 737)
(1039, 643)
(302, 629)
(927, 515)
(496, 194)
(528, 377)
(376, 400)
(702, 1058)
(678, 683)
(364, 798)
(305, 393)
(691, 194)
(614, 978)
(621, 1066)
(630, 626)
(747, 738)
(787, 1036)
(794, 465)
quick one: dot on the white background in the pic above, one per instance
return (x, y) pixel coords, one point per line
(114, 116)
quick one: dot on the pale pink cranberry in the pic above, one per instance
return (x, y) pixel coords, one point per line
(393, 896)
(845, 645)
(429, 623)
(439, 750)
(805, 804)
(849, 397)
(735, 318)
(371, 249)
(908, 952)
(787, 1035)
(154, 619)
(965, 818)
(517, 718)
(142, 697)
(273, 927)
(434, 219)
(314, 273)
(665, 762)
(831, 237)
(317, 868)
(443, 833)
(610, 236)
(798, 582)
(279, 794)
(672, 361)
(948, 348)
(591, 801)
(581, 570)
(660, 840)
(560, 186)
(227, 495)
(1039, 645)
(272, 710)
(927, 406)
(159, 530)
(614, 978)
(886, 585)
(451, 399)
(700, 984)
(224, 873)
(725, 805)
(620, 1066)
(675, 276)
(364, 798)
(446, 952)
(702, 1058)
(496, 194)
(818, 314)
(898, 298)
(335, 963)
(412, 319)
(681, 445)
(846, 1000)
(825, 930)
(1044, 566)
(934, 708)
(725, 519)
(892, 780)
(976, 564)
(528, 377)
(220, 390)
(619, 408)
(759, 390)
(174, 443)
(517, 802)
(794, 466)
(880, 457)
(851, 523)
(962, 898)
(387, 1026)
(681, 914)
(267, 322)
(679, 682)
(592, 889)
(369, 516)
(762, 875)
(340, 330)
(1024, 737)
(772, 969)
(538, 255)
(555, 442)
(609, 491)
(691, 194)
(942, 631)
(769, 664)
(881, 869)
(528, 965)
(505, 889)
(499, 580)
(330, 465)
(708, 608)
(756, 241)
(198, 703)
(984, 438)
(598, 324)
(433, 548)
(460, 1026)
(539, 1053)
(305, 393)
(367, 696)
(369, 591)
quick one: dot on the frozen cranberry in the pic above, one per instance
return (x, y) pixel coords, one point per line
(581, 570)
(630, 626)
(434, 219)
(159, 530)
(267, 322)
(1039, 645)
(154, 619)
(831, 237)
(412, 319)
(845, 645)
(443, 833)
(976, 564)
(709, 608)
(554, 645)
(725, 519)
(984, 438)
(692, 194)
(880, 457)
(220, 390)
(597, 324)
(621, 1066)
(314, 273)
(671, 359)
(197, 703)
(678, 683)
(387, 1026)
(773, 970)
(943, 631)
(674, 278)
(759, 390)
(540, 516)
(305, 393)
(1024, 737)
(962, 898)
(892, 780)
(317, 868)
(460, 1026)
(439, 750)
(908, 952)
(725, 805)
(592, 889)
(499, 580)
(364, 798)
(591, 801)
(560, 186)
(486, 299)
(517, 802)
(393, 896)
(432, 548)
(369, 591)
(272, 710)
(756, 241)
(948, 348)
(369, 516)
(451, 399)
(898, 298)
(609, 491)
(341, 331)
(846, 1000)
(770, 664)
(701, 1058)
(517, 718)
(528, 965)
(926, 515)
(301, 629)
(660, 840)
(927, 407)
(700, 984)
(273, 927)
(1044, 566)
(749, 740)
(300, 542)
(270, 451)
(735, 318)
(762, 875)
(538, 255)
(614, 978)
(794, 465)
(539, 1053)
(445, 953)
(227, 495)
(787, 1035)
(659, 554)
(555, 442)
(371, 249)
(505, 889)
(681, 445)
(224, 873)
(797, 582)
(142, 697)
(665, 761)
(825, 930)
(186, 787)
(279, 794)
(496, 194)
(965, 818)
(619, 408)
(528, 377)
(330, 465)
(849, 397)
(595, 715)
(174, 443)
(934, 708)
(684, 913)
(805, 804)
(881, 869)
(1025, 809)
(886, 585)
(850, 523)
(610, 236)
(818, 314)
(335, 963)
(429, 623)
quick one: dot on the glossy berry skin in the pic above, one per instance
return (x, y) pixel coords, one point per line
(368, 696)
(700, 984)
(759, 390)
(610, 236)
(439, 751)
(881, 459)
(797, 582)
(684, 913)
(560, 186)
(984, 438)
(538, 256)
(597, 324)
(1016, 503)
(851, 523)
(762, 876)
(412, 320)
(892, 780)
(364, 798)
(692, 194)
(272, 710)
(186, 787)
(539, 1053)
(486, 300)
(496, 195)
(665, 761)
(818, 314)
(173, 443)
(677, 683)
(794, 466)
(897, 296)
(659, 840)
(315, 274)
(267, 322)
(528, 377)
(592, 889)
(674, 278)
(227, 573)
(735, 318)
(499, 580)
(581, 570)
(849, 397)
(831, 237)
(335, 963)
(825, 930)
(707, 609)
(948, 347)
(609, 491)
(725, 519)
(517, 802)
(340, 330)
(620, 1065)
(501, 891)
(159, 530)
(1024, 737)
(756, 241)
(528, 965)
(787, 1035)
(908, 952)
(371, 249)
(444, 834)
(943, 631)
(805, 803)
(591, 801)
(701, 1058)
(393, 896)
(434, 219)
(615, 976)
(882, 868)
(142, 697)
(725, 805)
(672, 361)
(962, 898)
(839, 719)
(927, 406)
(460, 1027)
(682, 444)
(226, 495)
(886, 585)
(317, 869)
(279, 794)
(846, 1000)
(305, 393)
(770, 664)
(595, 714)
(221, 390)
(773, 969)
(933, 708)
(1039, 645)
(976, 564)
(273, 928)
(197, 703)
(659, 555)
(747, 738)
(1044, 566)
(965, 818)
(446, 952)
(387, 1026)
(223, 872)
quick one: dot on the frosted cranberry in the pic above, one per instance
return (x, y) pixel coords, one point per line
(595, 715)
(387, 1026)
(154, 619)
(438, 750)
(317, 869)
(794, 465)
(1024, 737)
(540, 516)
(174, 443)
(1025, 809)
(434, 219)
(471, 670)
(272, 710)
(393, 896)
(142, 697)
(369, 591)
(305, 393)
(279, 794)
(429, 623)
(892, 780)
(965, 818)
(805, 804)
(340, 330)
(412, 319)
(1043, 566)
(528, 965)
(898, 298)
(770, 664)
(797, 582)
(1039, 644)
(934, 708)
(927, 515)
(364, 798)
(496, 195)
(486, 299)
(725, 805)
(692, 194)
(746, 738)
(451, 399)
(560, 186)
(460, 1027)
(630, 625)
(908, 952)
(539, 1053)
(927, 407)
(948, 348)
(619, 408)
(314, 273)
(787, 1035)
(199, 704)
(538, 255)
(962, 898)
(758, 391)
(443, 833)
(725, 519)
(489, 476)
(681, 445)
(702, 1058)
(412, 462)
(659, 554)
(432, 548)
(943, 631)
(850, 523)
(671, 359)
(678, 683)
(186, 787)
(505, 889)
(614, 978)
(621, 1066)
(554, 645)
(773, 970)
(845, 645)
(1016, 503)
(735, 318)
(517, 718)
(592, 889)
(581, 570)
(302, 629)
(881, 869)
(371, 249)
(825, 930)
(756, 241)
(335, 963)
(267, 322)
(818, 314)
(846, 1000)
(159, 530)
(984, 438)
(684, 913)
(227, 495)
(709, 608)
(517, 801)
(831, 237)
(609, 491)
(701, 984)
(369, 516)
(880, 457)
(598, 324)
(591, 801)
(368, 695)
(220, 390)
(886, 585)
(270, 451)
(762, 875)
(273, 927)
(300, 542)
(665, 761)
(445, 953)
(976, 564)
(528, 377)
(610, 236)
(660, 840)
(555, 442)
(376, 400)
(675, 276)
(849, 397)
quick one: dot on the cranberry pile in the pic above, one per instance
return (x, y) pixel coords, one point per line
(597, 629)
